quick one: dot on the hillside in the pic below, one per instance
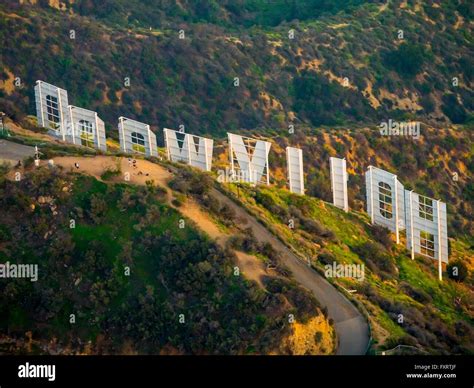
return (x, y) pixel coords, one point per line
(403, 298)
(439, 164)
(436, 317)
(169, 260)
(282, 81)
(138, 276)
(339, 68)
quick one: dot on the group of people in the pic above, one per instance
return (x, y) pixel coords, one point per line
(133, 163)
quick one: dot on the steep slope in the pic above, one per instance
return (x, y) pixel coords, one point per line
(136, 273)
(335, 75)
(403, 298)
(394, 287)
(351, 327)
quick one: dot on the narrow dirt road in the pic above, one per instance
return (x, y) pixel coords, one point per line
(252, 268)
(11, 152)
(351, 327)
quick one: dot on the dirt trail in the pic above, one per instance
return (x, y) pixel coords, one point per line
(351, 326)
(97, 165)
(251, 267)
(192, 210)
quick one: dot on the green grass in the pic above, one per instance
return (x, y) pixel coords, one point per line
(351, 229)
(443, 293)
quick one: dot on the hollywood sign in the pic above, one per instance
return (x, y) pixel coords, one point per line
(83, 127)
(136, 137)
(423, 218)
(388, 203)
(184, 147)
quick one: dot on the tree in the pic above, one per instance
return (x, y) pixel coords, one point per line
(407, 59)
(453, 109)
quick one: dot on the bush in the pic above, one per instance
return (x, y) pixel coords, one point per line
(457, 271)
(268, 251)
(375, 255)
(314, 227)
(98, 208)
(302, 299)
(177, 202)
(318, 337)
(324, 102)
(109, 174)
(382, 235)
(161, 192)
(462, 329)
(415, 293)
(188, 181)
(211, 203)
(245, 241)
(326, 258)
(269, 203)
(5, 234)
(227, 213)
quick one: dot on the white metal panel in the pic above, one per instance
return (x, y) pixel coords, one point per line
(78, 119)
(200, 151)
(385, 199)
(191, 149)
(294, 161)
(176, 145)
(249, 158)
(433, 222)
(339, 183)
(55, 117)
(136, 137)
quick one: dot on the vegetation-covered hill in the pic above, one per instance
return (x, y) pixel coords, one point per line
(160, 13)
(404, 300)
(339, 68)
(334, 70)
(134, 279)
(175, 269)
(282, 81)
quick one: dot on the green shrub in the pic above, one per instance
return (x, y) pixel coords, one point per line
(453, 109)
(326, 258)
(109, 174)
(457, 271)
(377, 259)
(407, 59)
(416, 293)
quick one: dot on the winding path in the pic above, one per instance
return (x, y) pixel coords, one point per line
(351, 327)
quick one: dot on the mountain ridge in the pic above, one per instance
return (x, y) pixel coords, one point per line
(190, 81)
